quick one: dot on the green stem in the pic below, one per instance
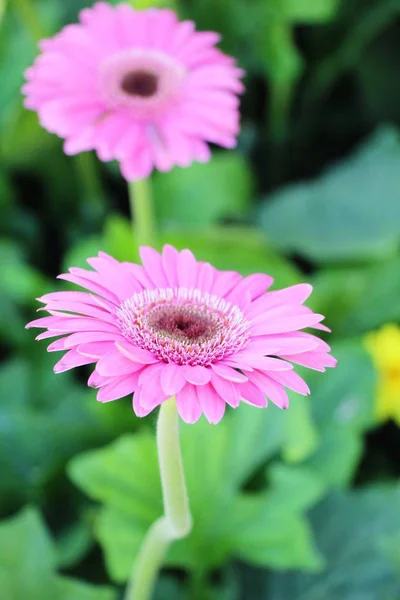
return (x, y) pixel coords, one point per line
(28, 15)
(142, 211)
(177, 520)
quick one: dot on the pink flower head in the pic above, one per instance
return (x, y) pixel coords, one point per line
(175, 326)
(136, 86)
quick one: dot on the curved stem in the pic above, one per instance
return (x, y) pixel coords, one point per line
(142, 211)
(177, 520)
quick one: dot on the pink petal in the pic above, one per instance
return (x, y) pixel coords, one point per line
(152, 262)
(84, 337)
(172, 378)
(114, 364)
(188, 405)
(206, 276)
(211, 402)
(187, 269)
(150, 394)
(71, 360)
(197, 375)
(224, 282)
(314, 360)
(119, 388)
(57, 345)
(291, 380)
(228, 391)
(82, 309)
(95, 349)
(251, 394)
(296, 294)
(275, 391)
(287, 324)
(90, 285)
(245, 359)
(277, 345)
(169, 262)
(151, 373)
(139, 410)
(254, 285)
(136, 354)
(228, 373)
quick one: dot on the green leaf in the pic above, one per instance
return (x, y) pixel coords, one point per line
(27, 564)
(73, 544)
(40, 410)
(350, 528)
(343, 398)
(336, 457)
(20, 280)
(218, 461)
(301, 436)
(310, 11)
(318, 219)
(354, 306)
(205, 193)
(269, 529)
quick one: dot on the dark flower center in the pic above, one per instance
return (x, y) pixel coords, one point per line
(140, 83)
(183, 324)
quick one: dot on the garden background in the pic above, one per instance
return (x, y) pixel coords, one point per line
(294, 505)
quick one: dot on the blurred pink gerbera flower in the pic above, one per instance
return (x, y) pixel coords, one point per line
(136, 86)
(175, 326)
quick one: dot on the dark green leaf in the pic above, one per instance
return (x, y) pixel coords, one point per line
(27, 564)
(350, 528)
(351, 212)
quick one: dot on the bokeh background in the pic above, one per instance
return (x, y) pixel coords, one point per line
(298, 505)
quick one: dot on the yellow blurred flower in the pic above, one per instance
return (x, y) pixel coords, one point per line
(384, 347)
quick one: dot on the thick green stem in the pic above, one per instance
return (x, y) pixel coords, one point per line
(177, 520)
(142, 211)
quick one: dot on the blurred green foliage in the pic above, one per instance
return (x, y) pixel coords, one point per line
(302, 504)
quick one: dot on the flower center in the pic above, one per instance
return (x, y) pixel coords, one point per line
(140, 83)
(144, 81)
(181, 325)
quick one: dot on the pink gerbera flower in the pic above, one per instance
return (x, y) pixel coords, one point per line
(179, 327)
(136, 86)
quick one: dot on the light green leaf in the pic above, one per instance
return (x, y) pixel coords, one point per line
(205, 193)
(350, 529)
(218, 461)
(318, 219)
(301, 436)
(336, 457)
(27, 564)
